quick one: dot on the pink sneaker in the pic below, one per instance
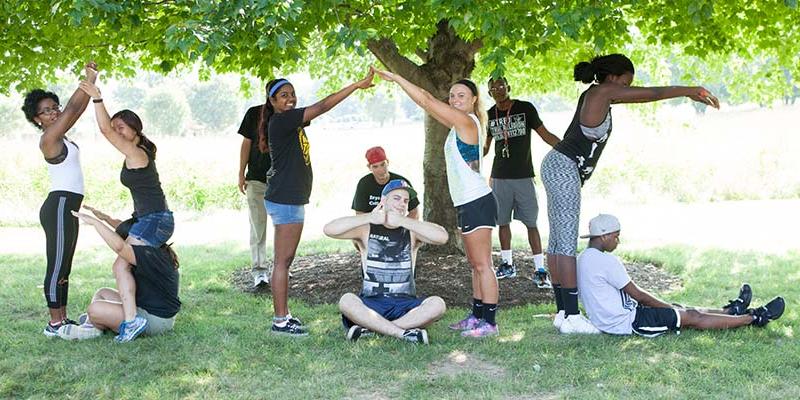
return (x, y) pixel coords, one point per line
(484, 329)
(466, 324)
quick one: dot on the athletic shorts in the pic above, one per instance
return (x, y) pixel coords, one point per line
(153, 229)
(517, 196)
(155, 324)
(477, 214)
(285, 213)
(651, 322)
(388, 307)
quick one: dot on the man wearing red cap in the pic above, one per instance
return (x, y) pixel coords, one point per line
(368, 191)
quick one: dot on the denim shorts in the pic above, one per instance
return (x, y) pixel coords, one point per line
(285, 213)
(153, 229)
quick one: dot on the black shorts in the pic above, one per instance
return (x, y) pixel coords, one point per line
(477, 214)
(388, 307)
(652, 322)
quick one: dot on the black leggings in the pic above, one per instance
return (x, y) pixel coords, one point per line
(61, 232)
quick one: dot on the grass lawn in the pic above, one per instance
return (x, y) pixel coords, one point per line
(221, 349)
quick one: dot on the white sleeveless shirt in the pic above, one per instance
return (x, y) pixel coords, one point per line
(67, 174)
(465, 184)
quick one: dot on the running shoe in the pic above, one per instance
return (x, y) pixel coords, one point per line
(484, 329)
(738, 306)
(470, 322)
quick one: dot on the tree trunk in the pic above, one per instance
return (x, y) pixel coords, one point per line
(447, 59)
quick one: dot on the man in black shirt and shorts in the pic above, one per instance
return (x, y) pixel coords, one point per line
(369, 188)
(510, 124)
(388, 241)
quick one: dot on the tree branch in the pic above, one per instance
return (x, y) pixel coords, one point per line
(387, 53)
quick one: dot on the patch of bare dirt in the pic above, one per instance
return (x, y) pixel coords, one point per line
(458, 362)
(322, 279)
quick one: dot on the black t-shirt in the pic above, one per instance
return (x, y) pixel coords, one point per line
(258, 163)
(156, 281)
(368, 193)
(575, 145)
(290, 177)
(145, 187)
(516, 123)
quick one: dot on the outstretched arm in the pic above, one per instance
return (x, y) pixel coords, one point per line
(126, 147)
(595, 106)
(424, 231)
(114, 241)
(50, 143)
(331, 101)
(350, 227)
(443, 112)
(643, 296)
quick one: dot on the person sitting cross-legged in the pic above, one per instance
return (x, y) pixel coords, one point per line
(388, 241)
(616, 305)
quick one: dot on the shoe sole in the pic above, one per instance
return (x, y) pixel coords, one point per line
(50, 334)
(288, 334)
(351, 333)
(424, 337)
(134, 335)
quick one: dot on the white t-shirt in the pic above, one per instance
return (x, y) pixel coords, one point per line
(601, 277)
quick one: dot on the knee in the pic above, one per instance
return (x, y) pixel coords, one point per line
(347, 300)
(691, 318)
(120, 266)
(437, 305)
(481, 265)
(103, 293)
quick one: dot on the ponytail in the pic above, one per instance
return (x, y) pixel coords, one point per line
(172, 255)
(601, 67)
(263, 122)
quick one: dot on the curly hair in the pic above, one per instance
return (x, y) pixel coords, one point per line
(31, 104)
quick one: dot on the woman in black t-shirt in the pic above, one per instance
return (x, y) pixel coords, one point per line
(289, 182)
(572, 161)
(154, 221)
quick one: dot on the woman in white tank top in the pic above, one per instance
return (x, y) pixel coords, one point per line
(43, 110)
(469, 190)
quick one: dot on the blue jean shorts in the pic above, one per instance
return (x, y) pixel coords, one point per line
(389, 307)
(285, 213)
(153, 229)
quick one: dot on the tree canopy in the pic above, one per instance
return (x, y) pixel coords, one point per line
(752, 47)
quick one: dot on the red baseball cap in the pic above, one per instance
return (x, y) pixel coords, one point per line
(375, 155)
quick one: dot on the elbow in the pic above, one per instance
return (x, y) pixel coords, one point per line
(441, 237)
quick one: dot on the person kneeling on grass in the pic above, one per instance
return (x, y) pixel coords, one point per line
(388, 241)
(155, 274)
(616, 305)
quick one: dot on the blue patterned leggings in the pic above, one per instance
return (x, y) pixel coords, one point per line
(563, 187)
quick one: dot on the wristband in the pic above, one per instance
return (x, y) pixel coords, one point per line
(97, 100)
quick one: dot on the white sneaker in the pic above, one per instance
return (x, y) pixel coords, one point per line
(79, 332)
(559, 319)
(578, 324)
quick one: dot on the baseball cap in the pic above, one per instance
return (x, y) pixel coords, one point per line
(399, 184)
(601, 225)
(375, 154)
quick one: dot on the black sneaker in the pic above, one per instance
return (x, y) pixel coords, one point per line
(356, 332)
(290, 329)
(416, 336)
(506, 270)
(295, 321)
(768, 312)
(738, 306)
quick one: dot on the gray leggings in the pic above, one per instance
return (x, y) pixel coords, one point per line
(563, 187)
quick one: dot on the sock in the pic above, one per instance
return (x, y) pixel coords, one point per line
(280, 321)
(570, 298)
(506, 256)
(489, 313)
(557, 296)
(538, 261)
(477, 308)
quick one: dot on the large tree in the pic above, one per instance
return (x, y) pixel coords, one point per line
(432, 43)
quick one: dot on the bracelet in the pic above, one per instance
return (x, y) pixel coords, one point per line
(100, 100)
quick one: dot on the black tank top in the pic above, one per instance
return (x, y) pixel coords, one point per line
(145, 188)
(581, 149)
(389, 270)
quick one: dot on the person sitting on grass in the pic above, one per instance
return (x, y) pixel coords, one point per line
(388, 241)
(616, 305)
(154, 270)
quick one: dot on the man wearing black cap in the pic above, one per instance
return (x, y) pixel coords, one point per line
(616, 305)
(369, 188)
(388, 241)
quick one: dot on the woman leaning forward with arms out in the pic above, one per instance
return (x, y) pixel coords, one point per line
(62, 155)
(573, 160)
(472, 196)
(289, 181)
(153, 221)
